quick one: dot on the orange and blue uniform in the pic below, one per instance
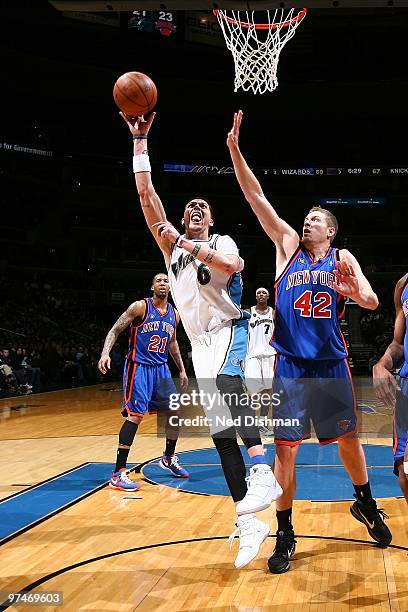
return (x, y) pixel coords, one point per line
(147, 382)
(312, 376)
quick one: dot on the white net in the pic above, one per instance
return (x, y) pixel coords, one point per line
(256, 48)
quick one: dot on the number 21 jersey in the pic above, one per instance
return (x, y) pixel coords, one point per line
(149, 341)
(308, 310)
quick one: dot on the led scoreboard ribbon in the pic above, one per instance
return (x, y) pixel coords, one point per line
(339, 171)
(292, 171)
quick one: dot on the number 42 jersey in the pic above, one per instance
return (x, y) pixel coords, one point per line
(308, 310)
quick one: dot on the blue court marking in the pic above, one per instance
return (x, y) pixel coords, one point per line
(320, 474)
(29, 507)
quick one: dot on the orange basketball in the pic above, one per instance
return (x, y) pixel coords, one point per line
(135, 94)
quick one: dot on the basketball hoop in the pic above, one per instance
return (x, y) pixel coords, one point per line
(255, 56)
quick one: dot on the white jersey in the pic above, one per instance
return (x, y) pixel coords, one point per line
(204, 308)
(260, 331)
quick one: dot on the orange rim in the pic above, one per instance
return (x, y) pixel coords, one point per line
(263, 26)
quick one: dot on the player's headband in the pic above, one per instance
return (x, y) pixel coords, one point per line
(262, 289)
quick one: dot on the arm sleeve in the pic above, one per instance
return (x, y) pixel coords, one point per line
(227, 246)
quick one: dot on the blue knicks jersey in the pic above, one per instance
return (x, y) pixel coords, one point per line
(308, 310)
(404, 304)
(149, 341)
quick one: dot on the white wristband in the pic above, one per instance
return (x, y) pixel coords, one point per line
(406, 467)
(141, 163)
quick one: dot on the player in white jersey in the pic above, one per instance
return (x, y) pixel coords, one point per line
(261, 355)
(205, 281)
(260, 359)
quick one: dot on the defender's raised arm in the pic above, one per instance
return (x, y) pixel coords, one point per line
(283, 235)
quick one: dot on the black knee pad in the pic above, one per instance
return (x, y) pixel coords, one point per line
(237, 401)
(226, 441)
(250, 442)
(127, 433)
(230, 384)
(232, 462)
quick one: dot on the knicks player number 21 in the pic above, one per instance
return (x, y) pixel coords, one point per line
(319, 308)
(157, 344)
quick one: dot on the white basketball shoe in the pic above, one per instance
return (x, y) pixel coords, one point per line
(263, 489)
(252, 532)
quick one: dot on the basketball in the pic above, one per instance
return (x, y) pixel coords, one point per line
(135, 94)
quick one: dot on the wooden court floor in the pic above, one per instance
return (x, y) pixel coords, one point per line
(165, 549)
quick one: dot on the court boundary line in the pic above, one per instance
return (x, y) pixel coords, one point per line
(30, 587)
(44, 518)
(38, 484)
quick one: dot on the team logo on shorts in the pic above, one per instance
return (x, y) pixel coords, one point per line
(236, 361)
(344, 424)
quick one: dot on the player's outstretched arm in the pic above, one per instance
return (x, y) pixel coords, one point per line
(385, 384)
(151, 204)
(282, 234)
(174, 351)
(135, 310)
(351, 282)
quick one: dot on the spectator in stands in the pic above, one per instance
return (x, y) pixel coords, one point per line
(29, 363)
(26, 376)
(366, 324)
(72, 372)
(8, 380)
(377, 321)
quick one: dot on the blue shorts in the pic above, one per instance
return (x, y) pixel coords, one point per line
(400, 423)
(146, 388)
(313, 392)
(236, 354)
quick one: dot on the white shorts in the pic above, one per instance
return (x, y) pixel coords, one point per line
(222, 352)
(217, 353)
(259, 372)
(209, 354)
